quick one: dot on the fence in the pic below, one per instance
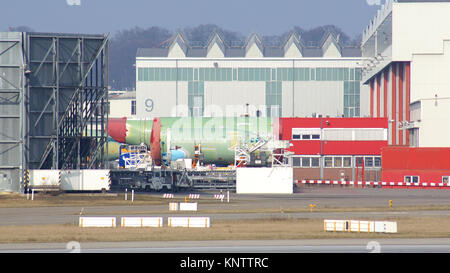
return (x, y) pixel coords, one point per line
(378, 184)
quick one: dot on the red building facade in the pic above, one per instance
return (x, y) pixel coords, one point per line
(345, 149)
(416, 165)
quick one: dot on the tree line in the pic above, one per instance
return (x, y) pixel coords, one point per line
(124, 44)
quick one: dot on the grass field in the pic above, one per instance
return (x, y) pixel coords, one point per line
(274, 228)
(256, 229)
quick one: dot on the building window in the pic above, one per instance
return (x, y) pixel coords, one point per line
(359, 161)
(328, 162)
(337, 162)
(296, 161)
(445, 179)
(133, 107)
(305, 134)
(347, 162)
(315, 162)
(377, 161)
(412, 179)
(274, 98)
(352, 98)
(306, 162)
(368, 162)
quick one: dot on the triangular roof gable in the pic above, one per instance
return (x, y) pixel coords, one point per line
(293, 47)
(254, 47)
(178, 46)
(330, 46)
(216, 46)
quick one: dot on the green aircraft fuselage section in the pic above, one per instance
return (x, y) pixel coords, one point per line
(216, 136)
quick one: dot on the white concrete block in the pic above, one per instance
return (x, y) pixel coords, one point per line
(97, 221)
(201, 222)
(141, 222)
(188, 206)
(278, 180)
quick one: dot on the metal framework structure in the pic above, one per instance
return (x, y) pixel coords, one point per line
(65, 100)
(53, 103)
(11, 110)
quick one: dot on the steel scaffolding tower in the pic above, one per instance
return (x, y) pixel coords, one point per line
(66, 100)
(53, 103)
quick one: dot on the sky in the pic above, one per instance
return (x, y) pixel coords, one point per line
(264, 17)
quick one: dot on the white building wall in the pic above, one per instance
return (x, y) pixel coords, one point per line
(232, 96)
(364, 102)
(433, 127)
(419, 28)
(430, 84)
(156, 99)
(320, 97)
(420, 35)
(119, 108)
(430, 74)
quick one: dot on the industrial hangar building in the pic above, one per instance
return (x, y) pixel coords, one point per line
(219, 79)
(293, 81)
(408, 49)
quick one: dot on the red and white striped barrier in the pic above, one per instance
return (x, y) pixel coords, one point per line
(382, 184)
(219, 196)
(194, 196)
(168, 195)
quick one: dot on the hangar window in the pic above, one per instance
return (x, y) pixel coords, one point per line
(133, 107)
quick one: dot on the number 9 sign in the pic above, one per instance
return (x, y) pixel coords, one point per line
(148, 105)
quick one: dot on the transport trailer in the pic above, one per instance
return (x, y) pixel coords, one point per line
(149, 180)
(171, 180)
(213, 179)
